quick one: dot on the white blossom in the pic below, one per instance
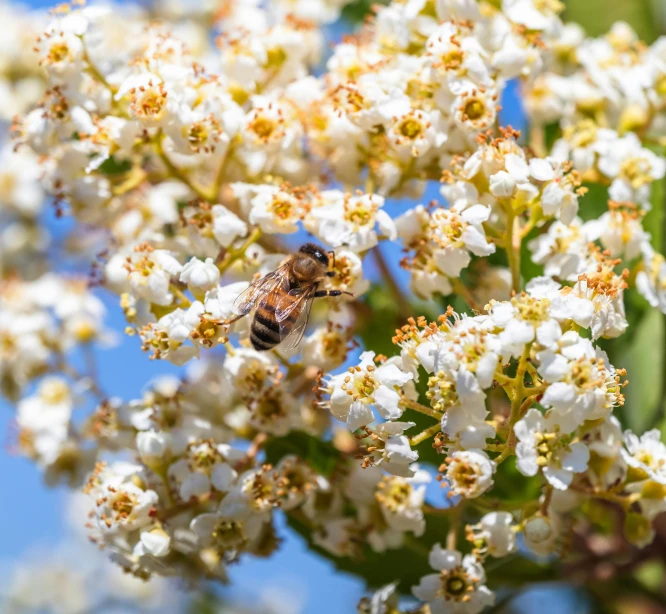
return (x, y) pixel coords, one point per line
(457, 587)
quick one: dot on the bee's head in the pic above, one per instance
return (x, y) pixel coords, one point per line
(315, 251)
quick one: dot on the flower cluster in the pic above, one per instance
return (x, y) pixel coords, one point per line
(191, 155)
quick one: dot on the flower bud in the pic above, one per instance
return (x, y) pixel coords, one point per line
(502, 185)
(638, 529)
(153, 447)
(155, 542)
(200, 276)
(498, 533)
(537, 529)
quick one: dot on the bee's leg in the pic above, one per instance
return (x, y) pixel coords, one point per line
(322, 293)
(232, 320)
(330, 273)
(332, 254)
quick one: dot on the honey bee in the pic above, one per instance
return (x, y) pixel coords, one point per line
(282, 299)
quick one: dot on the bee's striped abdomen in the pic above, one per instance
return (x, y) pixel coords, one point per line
(266, 332)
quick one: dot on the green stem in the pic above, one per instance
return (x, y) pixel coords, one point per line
(426, 434)
(452, 535)
(512, 246)
(404, 309)
(94, 71)
(422, 409)
(518, 407)
(464, 292)
(177, 292)
(235, 254)
(178, 173)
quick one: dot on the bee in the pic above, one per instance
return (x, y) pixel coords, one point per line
(282, 299)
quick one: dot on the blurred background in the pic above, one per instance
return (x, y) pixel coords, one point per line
(48, 566)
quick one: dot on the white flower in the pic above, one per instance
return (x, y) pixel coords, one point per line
(632, 169)
(44, 419)
(456, 235)
(121, 505)
(531, 14)
(150, 275)
(606, 444)
(342, 219)
(541, 445)
(250, 372)
(219, 302)
(525, 318)
(443, 242)
(163, 200)
(272, 209)
(474, 109)
(337, 536)
(326, 348)
(61, 49)
(252, 496)
(20, 187)
(200, 276)
(154, 447)
(147, 94)
(646, 453)
(469, 473)
(276, 412)
(563, 250)
(383, 601)
(354, 393)
(583, 385)
(401, 502)
(414, 133)
(203, 467)
(558, 194)
(542, 532)
(646, 458)
(227, 226)
(619, 230)
(651, 282)
(348, 269)
(495, 532)
(394, 453)
(155, 542)
(458, 587)
(462, 363)
(502, 185)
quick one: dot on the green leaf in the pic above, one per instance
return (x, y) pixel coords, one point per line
(319, 454)
(594, 203)
(379, 319)
(512, 487)
(653, 222)
(518, 571)
(643, 361)
(407, 564)
(597, 16)
(552, 132)
(357, 11)
(111, 166)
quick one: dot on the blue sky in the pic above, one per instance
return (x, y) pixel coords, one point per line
(32, 516)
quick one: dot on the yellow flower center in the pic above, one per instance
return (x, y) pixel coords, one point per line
(264, 127)
(474, 109)
(532, 309)
(410, 128)
(59, 52)
(636, 171)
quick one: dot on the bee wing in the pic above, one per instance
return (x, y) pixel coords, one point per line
(299, 302)
(247, 300)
